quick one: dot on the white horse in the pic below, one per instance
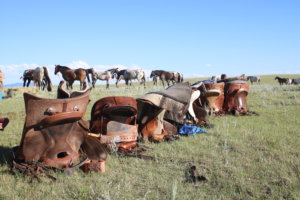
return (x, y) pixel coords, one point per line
(136, 74)
(41, 78)
(253, 79)
(216, 78)
(104, 76)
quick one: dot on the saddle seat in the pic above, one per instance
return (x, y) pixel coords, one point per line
(115, 119)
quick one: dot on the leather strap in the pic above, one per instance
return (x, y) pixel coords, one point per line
(61, 117)
(118, 138)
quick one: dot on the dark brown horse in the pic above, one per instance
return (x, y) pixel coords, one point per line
(27, 77)
(70, 75)
(282, 80)
(163, 75)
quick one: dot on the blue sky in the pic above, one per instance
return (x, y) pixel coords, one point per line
(197, 38)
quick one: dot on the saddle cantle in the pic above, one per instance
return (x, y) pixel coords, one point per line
(115, 119)
(54, 132)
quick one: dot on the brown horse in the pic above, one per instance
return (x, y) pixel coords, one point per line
(27, 77)
(70, 75)
(164, 76)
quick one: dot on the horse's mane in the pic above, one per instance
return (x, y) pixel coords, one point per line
(64, 67)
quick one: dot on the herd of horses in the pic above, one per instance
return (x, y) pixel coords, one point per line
(40, 76)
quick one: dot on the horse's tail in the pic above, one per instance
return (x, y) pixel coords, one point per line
(88, 75)
(47, 78)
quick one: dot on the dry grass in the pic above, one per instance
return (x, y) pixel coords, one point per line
(247, 157)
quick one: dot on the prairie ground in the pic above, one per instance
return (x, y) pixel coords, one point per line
(245, 157)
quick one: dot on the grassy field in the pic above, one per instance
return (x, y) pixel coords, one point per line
(246, 157)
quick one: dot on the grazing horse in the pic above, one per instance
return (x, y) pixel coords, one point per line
(119, 76)
(1, 79)
(163, 75)
(253, 79)
(41, 78)
(104, 76)
(70, 75)
(130, 75)
(155, 79)
(27, 77)
(282, 80)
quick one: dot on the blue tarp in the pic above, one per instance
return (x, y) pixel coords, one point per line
(190, 130)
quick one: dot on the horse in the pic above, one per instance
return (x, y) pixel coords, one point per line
(1, 79)
(41, 78)
(119, 76)
(27, 77)
(163, 75)
(282, 80)
(155, 79)
(130, 75)
(70, 75)
(216, 78)
(104, 76)
(253, 79)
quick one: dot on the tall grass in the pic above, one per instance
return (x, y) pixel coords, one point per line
(246, 157)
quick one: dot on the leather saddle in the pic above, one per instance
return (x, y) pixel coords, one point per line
(213, 96)
(55, 134)
(236, 93)
(114, 118)
(160, 112)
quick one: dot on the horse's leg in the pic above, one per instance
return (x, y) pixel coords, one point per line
(117, 83)
(162, 81)
(71, 84)
(28, 83)
(24, 82)
(107, 84)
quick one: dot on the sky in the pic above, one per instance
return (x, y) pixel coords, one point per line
(197, 38)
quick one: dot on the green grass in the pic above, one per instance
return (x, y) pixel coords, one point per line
(246, 157)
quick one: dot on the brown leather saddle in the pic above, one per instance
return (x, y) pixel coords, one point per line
(236, 93)
(3, 123)
(115, 119)
(55, 134)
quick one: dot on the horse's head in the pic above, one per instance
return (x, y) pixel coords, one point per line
(152, 74)
(56, 69)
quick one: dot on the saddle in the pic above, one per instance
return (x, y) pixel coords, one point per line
(213, 97)
(55, 134)
(160, 112)
(115, 119)
(236, 92)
